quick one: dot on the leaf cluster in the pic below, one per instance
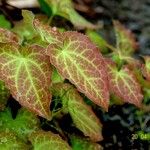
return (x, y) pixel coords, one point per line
(41, 66)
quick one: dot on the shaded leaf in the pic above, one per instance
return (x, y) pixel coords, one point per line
(80, 143)
(23, 125)
(146, 68)
(65, 9)
(24, 28)
(4, 23)
(124, 84)
(45, 8)
(98, 40)
(4, 95)
(126, 42)
(78, 60)
(42, 140)
(26, 73)
(82, 114)
(8, 36)
(8, 141)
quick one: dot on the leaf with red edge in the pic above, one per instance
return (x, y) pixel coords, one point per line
(146, 67)
(124, 84)
(8, 36)
(48, 35)
(81, 114)
(26, 73)
(125, 39)
(79, 60)
(42, 140)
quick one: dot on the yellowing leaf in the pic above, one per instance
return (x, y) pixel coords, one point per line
(7, 36)
(126, 42)
(4, 95)
(42, 140)
(124, 84)
(146, 68)
(78, 60)
(65, 9)
(23, 125)
(8, 141)
(26, 73)
(82, 114)
(80, 143)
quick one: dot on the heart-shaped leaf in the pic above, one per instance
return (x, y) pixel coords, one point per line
(82, 114)
(23, 125)
(124, 84)
(78, 60)
(47, 140)
(26, 73)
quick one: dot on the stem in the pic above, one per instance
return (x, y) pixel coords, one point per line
(50, 19)
(60, 130)
(111, 47)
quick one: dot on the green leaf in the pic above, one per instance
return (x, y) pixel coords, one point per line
(124, 84)
(7, 36)
(80, 61)
(4, 95)
(23, 125)
(45, 8)
(81, 114)
(125, 40)
(26, 73)
(8, 141)
(4, 23)
(56, 77)
(65, 9)
(80, 143)
(42, 140)
(24, 28)
(98, 40)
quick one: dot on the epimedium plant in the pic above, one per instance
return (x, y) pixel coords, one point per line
(37, 59)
